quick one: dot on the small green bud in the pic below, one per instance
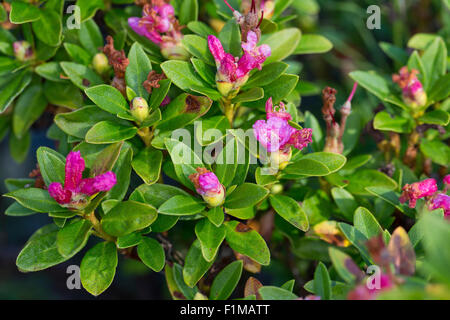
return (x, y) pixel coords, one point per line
(100, 63)
(276, 188)
(139, 109)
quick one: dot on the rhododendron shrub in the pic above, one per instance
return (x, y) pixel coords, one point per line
(187, 139)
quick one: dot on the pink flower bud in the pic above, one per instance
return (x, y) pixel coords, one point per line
(412, 89)
(23, 51)
(76, 190)
(208, 186)
(417, 190)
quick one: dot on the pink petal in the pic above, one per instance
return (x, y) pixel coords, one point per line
(252, 39)
(442, 201)
(74, 170)
(216, 49)
(272, 134)
(301, 138)
(208, 183)
(265, 51)
(57, 192)
(103, 182)
(133, 22)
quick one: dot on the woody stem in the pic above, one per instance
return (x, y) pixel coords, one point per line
(97, 227)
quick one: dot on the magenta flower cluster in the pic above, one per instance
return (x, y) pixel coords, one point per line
(428, 189)
(276, 134)
(76, 189)
(232, 69)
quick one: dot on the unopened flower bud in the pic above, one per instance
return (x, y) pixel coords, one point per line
(208, 186)
(139, 109)
(280, 158)
(174, 51)
(413, 93)
(23, 51)
(276, 188)
(100, 63)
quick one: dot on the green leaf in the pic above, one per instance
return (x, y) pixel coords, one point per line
(277, 90)
(182, 111)
(17, 210)
(187, 11)
(73, 237)
(206, 72)
(275, 293)
(51, 165)
(436, 150)
(201, 28)
(128, 216)
(282, 43)
(290, 210)
(383, 121)
(108, 98)
(289, 285)
(18, 148)
(152, 254)
(357, 239)
(440, 90)
(230, 37)
(366, 223)
(372, 82)
(181, 206)
(78, 122)
(361, 179)
(88, 8)
(436, 234)
(246, 195)
(249, 95)
(322, 282)
(195, 266)
(342, 262)
(435, 61)
(421, 41)
(11, 87)
(313, 43)
(316, 164)
(182, 74)
(35, 199)
(51, 71)
(158, 94)
(65, 95)
(268, 74)
(216, 216)
(137, 70)
(226, 162)
(185, 161)
(77, 53)
(98, 267)
(156, 194)
(81, 76)
(397, 54)
(48, 28)
(22, 12)
(109, 132)
(40, 251)
(345, 202)
(90, 36)
(198, 47)
(210, 238)
(226, 281)
(247, 242)
(28, 108)
(147, 164)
